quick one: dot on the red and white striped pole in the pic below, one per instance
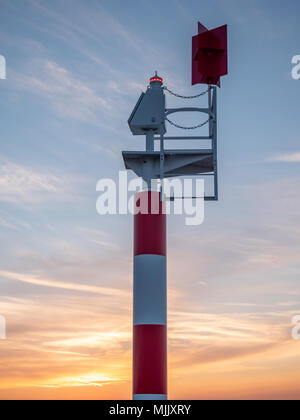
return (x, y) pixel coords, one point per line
(150, 300)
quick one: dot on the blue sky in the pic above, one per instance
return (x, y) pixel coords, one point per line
(74, 72)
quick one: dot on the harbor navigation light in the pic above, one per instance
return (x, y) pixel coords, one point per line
(149, 111)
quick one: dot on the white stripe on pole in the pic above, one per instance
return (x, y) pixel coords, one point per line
(149, 302)
(150, 397)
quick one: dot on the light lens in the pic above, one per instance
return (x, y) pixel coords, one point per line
(156, 79)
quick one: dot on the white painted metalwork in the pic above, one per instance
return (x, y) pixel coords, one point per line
(149, 117)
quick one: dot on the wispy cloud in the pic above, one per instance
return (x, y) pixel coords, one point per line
(25, 186)
(23, 183)
(45, 282)
(293, 157)
(69, 96)
(93, 379)
(74, 335)
(6, 224)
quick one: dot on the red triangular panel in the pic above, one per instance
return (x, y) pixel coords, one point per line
(209, 55)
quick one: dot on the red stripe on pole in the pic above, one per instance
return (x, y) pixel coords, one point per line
(149, 229)
(150, 359)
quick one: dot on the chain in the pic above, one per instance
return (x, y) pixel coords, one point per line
(185, 97)
(187, 128)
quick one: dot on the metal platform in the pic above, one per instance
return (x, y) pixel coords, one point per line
(176, 162)
(148, 119)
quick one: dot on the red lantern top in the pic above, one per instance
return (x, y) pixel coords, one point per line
(156, 78)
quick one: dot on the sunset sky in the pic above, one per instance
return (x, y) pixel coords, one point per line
(75, 70)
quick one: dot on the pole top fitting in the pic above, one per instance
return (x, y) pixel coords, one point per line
(156, 78)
